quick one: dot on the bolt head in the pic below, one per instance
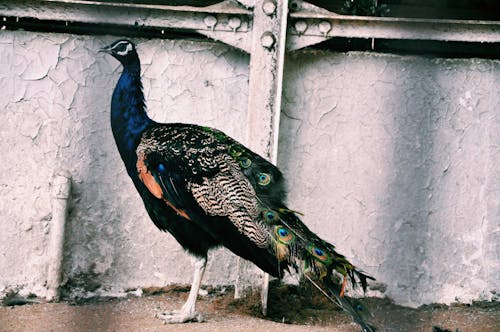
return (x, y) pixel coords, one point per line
(267, 40)
(301, 26)
(269, 7)
(210, 21)
(325, 27)
(234, 23)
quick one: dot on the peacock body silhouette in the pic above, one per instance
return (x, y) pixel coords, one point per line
(208, 190)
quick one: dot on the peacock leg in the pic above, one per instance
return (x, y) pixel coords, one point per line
(188, 312)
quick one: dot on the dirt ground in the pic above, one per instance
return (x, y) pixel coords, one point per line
(290, 309)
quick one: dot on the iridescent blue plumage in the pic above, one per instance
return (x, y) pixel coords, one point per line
(161, 168)
(128, 112)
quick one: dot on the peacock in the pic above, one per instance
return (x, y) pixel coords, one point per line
(208, 191)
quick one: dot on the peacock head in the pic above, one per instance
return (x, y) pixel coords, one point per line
(123, 50)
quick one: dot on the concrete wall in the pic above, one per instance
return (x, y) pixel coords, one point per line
(392, 158)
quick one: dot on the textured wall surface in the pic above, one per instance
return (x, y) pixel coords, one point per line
(394, 159)
(55, 101)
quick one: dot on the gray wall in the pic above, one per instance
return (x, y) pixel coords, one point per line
(395, 160)
(391, 158)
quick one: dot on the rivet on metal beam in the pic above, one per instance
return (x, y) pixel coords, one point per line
(210, 21)
(234, 23)
(300, 27)
(267, 40)
(269, 7)
(324, 28)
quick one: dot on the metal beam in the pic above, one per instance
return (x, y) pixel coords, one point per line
(225, 21)
(312, 25)
(232, 24)
(264, 104)
(247, 3)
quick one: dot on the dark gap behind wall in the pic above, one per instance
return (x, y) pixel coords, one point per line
(80, 28)
(431, 9)
(448, 49)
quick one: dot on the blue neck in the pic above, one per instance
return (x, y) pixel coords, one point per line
(128, 114)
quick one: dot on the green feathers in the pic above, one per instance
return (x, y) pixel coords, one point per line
(245, 163)
(284, 235)
(320, 254)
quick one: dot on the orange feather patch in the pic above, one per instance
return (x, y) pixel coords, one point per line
(154, 187)
(148, 179)
(180, 212)
(342, 289)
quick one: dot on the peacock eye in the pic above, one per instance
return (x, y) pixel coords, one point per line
(245, 163)
(284, 235)
(264, 179)
(161, 168)
(270, 216)
(320, 254)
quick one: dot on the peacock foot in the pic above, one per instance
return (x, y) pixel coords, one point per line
(179, 316)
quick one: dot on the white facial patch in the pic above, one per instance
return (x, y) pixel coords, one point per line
(125, 51)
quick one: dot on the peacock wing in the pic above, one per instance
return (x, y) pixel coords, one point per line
(191, 169)
(171, 159)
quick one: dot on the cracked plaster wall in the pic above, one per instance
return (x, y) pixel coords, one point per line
(55, 102)
(395, 160)
(392, 158)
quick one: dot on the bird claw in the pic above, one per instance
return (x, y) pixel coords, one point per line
(179, 316)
